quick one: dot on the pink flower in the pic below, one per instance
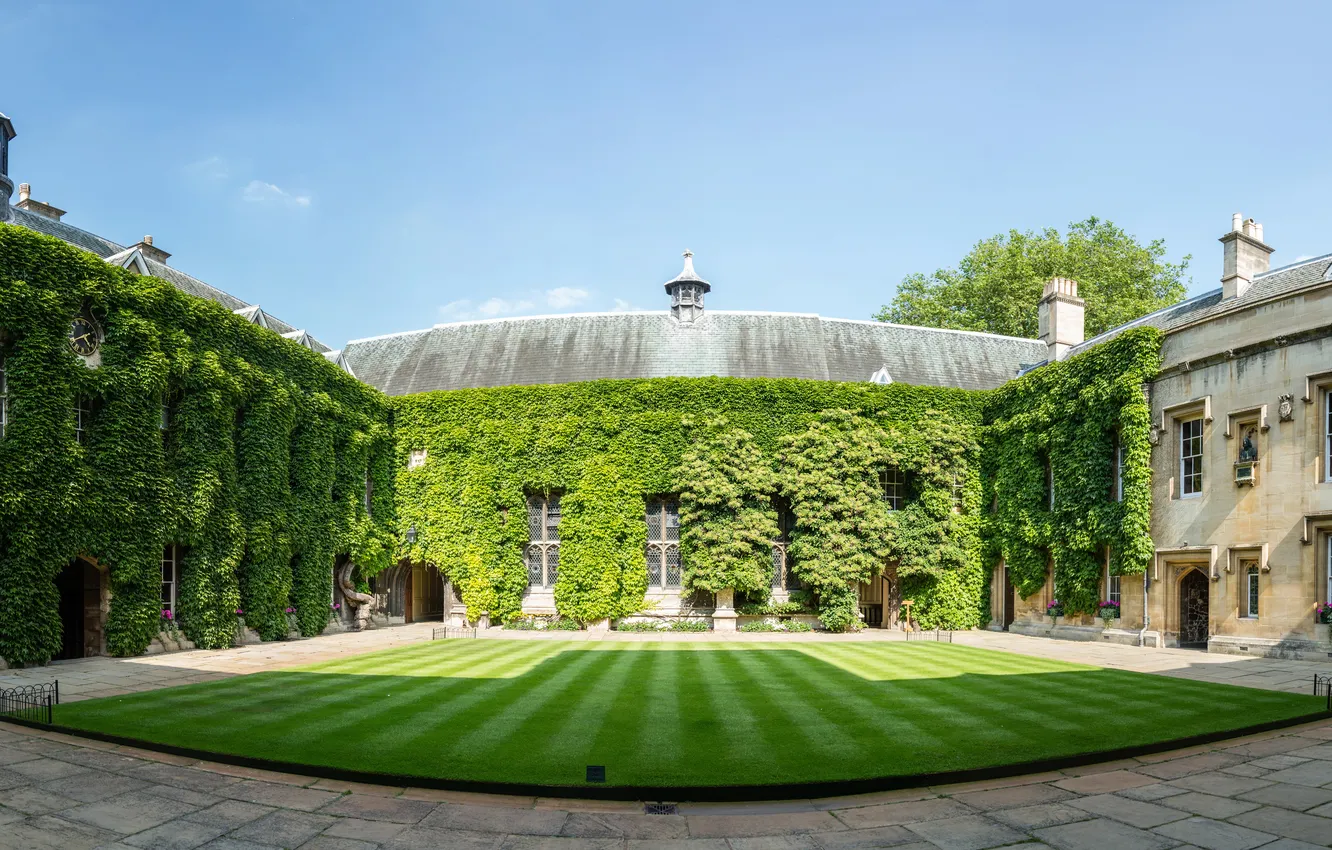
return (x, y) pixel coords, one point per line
(240, 613)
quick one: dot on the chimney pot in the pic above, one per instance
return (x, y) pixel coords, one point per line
(1236, 221)
(147, 240)
(25, 191)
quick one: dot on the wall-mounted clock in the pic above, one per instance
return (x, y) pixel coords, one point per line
(84, 335)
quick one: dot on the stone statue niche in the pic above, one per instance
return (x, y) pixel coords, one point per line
(1249, 448)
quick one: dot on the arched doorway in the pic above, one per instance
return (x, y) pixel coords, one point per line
(82, 631)
(1193, 609)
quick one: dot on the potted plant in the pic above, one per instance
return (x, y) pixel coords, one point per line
(1055, 609)
(1109, 610)
(1323, 613)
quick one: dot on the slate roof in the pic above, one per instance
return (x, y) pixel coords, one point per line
(119, 254)
(584, 347)
(1275, 283)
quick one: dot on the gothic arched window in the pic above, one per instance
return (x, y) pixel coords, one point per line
(663, 542)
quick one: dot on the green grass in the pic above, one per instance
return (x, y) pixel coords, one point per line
(679, 714)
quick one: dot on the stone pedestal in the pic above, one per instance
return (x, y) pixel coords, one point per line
(724, 616)
(602, 625)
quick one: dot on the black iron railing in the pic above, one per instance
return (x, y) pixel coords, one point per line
(442, 633)
(35, 703)
(1323, 687)
(938, 635)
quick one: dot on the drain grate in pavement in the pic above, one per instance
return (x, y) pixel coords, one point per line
(660, 809)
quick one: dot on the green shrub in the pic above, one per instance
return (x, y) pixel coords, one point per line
(758, 626)
(639, 626)
(796, 626)
(690, 626)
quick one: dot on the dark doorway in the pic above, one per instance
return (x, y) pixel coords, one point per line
(892, 598)
(80, 587)
(1193, 610)
(1010, 600)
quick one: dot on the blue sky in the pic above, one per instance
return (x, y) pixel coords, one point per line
(361, 169)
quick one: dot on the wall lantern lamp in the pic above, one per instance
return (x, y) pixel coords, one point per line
(411, 534)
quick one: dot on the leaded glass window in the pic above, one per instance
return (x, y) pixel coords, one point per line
(1191, 457)
(543, 535)
(82, 419)
(959, 483)
(663, 543)
(892, 487)
(783, 578)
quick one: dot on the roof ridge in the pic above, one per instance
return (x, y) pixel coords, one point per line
(935, 330)
(1138, 321)
(1293, 265)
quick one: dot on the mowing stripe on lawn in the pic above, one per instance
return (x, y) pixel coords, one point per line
(677, 714)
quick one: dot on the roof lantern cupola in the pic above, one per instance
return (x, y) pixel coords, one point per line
(686, 290)
(6, 185)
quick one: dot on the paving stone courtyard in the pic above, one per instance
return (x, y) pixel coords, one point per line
(1272, 791)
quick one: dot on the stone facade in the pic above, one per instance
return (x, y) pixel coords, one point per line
(1248, 370)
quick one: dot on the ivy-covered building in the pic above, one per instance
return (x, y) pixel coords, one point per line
(178, 466)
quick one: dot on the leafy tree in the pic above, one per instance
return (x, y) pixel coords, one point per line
(996, 286)
(727, 522)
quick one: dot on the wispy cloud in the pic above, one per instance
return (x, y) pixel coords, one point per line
(622, 306)
(563, 297)
(209, 168)
(559, 298)
(259, 192)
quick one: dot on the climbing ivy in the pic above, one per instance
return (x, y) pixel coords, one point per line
(725, 446)
(259, 475)
(1065, 421)
(272, 455)
(727, 520)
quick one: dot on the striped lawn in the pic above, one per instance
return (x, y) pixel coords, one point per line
(540, 711)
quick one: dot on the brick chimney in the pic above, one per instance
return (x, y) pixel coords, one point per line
(1061, 316)
(1246, 256)
(25, 202)
(150, 251)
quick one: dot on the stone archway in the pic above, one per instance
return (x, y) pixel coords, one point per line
(84, 600)
(1194, 609)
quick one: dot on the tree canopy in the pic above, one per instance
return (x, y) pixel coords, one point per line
(996, 286)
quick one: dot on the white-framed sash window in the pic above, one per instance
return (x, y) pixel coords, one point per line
(1191, 457)
(892, 487)
(1249, 571)
(170, 577)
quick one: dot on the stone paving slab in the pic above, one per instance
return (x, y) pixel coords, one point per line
(127, 801)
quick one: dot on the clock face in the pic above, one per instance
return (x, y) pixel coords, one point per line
(83, 336)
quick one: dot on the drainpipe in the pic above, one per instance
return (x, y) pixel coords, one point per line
(1146, 616)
